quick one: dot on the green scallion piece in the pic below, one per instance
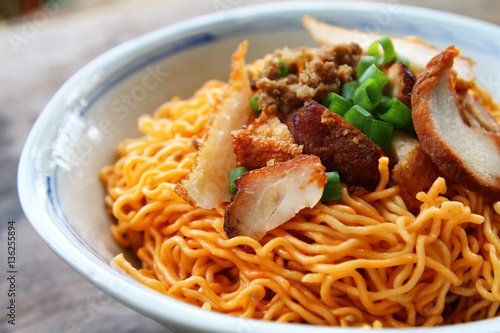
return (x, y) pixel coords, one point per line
(385, 98)
(364, 63)
(332, 189)
(380, 108)
(387, 47)
(357, 117)
(328, 100)
(254, 103)
(379, 132)
(373, 72)
(368, 95)
(397, 114)
(337, 103)
(404, 60)
(347, 89)
(232, 176)
(286, 68)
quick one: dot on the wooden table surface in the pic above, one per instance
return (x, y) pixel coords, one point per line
(37, 54)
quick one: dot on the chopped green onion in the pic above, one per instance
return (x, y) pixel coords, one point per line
(380, 108)
(347, 89)
(254, 103)
(332, 189)
(368, 95)
(385, 98)
(379, 132)
(364, 63)
(286, 68)
(397, 114)
(373, 72)
(232, 176)
(404, 60)
(389, 54)
(357, 117)
(328, 100)
(337, 103)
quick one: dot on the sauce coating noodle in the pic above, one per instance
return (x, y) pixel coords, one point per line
(361, 261)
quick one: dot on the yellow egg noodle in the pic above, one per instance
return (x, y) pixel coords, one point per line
(360, 261)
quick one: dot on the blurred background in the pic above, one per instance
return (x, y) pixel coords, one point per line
(15, 9)
(42, 43)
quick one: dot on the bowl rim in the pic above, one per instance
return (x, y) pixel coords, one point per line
(99, 275)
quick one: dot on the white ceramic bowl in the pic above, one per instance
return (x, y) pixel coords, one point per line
(78, 131)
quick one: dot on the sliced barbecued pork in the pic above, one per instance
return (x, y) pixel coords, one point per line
(272, 195)
(468, 155)
(340, 146)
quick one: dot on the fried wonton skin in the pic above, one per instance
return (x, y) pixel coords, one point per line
(415, 173)
(265, 141)
(206, 184)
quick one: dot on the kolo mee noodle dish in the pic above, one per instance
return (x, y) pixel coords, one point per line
(355, 183)
(308, 177)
